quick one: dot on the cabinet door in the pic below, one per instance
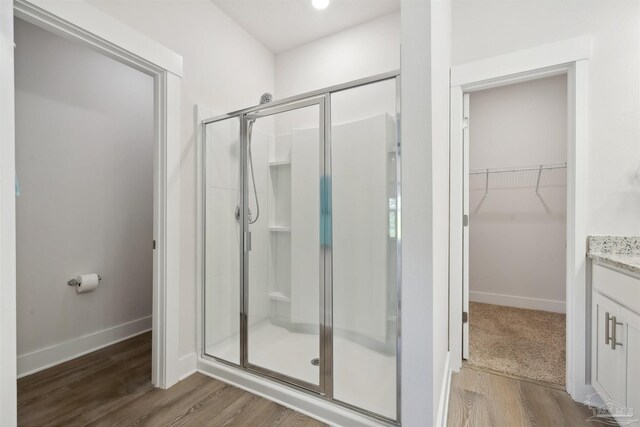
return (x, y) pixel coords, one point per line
(630, 332)
(608, 370)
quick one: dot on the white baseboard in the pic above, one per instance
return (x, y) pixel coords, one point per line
(519, 302)
(44, 358)
(443, 406)
(188, 364)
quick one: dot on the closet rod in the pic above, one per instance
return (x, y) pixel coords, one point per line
(519, 169)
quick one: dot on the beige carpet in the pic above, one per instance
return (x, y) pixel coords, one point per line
(518, 342)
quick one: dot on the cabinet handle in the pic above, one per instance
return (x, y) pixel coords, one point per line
(607, 321)
(614, 335)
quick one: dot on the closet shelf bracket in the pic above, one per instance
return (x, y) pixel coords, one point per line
(538, 180)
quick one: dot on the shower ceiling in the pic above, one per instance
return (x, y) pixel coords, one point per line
(283, 24)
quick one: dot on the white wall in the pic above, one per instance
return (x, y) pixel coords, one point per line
(513, 231)
(487, 28)
(84, 163)
(425, 149)
(360, 51)
(224, 69)
(8, 406)
(440, 66)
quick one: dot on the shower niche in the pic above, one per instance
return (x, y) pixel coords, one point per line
(303, 287)
(279, 215)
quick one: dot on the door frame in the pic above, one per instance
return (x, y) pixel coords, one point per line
(568, 57)
(83, 23)
(325, 320)
(465, 224)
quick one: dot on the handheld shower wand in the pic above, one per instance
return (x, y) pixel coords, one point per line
(264, 99)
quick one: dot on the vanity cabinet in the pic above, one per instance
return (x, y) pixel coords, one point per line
(609, 371)
(615, 337)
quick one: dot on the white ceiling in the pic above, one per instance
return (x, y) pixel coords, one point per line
(282, 24)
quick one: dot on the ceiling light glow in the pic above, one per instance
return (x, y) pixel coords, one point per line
(320, 4)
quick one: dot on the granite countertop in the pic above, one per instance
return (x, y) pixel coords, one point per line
(620, 252)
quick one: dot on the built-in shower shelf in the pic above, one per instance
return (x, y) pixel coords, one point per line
(279, 229)
(280, 163)
(279, 296)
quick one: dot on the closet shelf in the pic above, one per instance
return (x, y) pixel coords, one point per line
(536, 168)
(519, 169)
(279, 229)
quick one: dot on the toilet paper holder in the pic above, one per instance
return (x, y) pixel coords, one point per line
(74, 281)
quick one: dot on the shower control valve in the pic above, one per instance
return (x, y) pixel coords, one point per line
(238, 214)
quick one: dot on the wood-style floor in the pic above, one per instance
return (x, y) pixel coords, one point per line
(112, 387)
(483, 399)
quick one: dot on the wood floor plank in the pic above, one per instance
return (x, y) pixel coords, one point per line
(222, 405)
(140, 410)
(108, 378)
(479, 398)
(540, 408)
(112, 387)
(507, 390)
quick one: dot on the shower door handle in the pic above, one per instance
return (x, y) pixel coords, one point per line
(247, 241)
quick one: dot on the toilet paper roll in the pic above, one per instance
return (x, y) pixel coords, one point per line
(87, 282)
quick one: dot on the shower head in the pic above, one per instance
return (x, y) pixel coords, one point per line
(266, 98)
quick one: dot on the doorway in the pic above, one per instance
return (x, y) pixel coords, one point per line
(84, 199)
(568, 57)
(124, 44)
(515, 202)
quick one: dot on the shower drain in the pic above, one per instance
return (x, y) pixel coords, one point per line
(315, 362)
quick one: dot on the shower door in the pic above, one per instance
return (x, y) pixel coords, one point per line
(286, 223)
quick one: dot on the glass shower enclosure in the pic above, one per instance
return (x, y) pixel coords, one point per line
(302, 242)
